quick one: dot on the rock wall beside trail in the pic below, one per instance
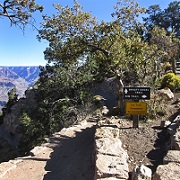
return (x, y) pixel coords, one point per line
(171, 162)
(110, 157)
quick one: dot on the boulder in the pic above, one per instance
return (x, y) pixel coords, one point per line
(165, 93)
(169, 171)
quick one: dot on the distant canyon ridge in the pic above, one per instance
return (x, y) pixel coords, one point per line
(20, 77)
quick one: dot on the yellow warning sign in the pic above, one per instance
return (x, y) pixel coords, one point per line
(136, 108)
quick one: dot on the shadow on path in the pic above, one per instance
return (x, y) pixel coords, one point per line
(72, 157)
(157, 154)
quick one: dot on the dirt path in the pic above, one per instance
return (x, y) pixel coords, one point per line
(73, 158)
(68, 156)
(145, 145)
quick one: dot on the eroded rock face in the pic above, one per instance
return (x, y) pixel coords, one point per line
(7, 152)
(19, 77)
(11, 119)
(9, 131)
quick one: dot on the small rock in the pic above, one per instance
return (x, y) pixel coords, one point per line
(37, 150)
(141, 172)
(166, 93)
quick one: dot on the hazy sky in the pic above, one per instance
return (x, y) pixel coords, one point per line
(18, 49)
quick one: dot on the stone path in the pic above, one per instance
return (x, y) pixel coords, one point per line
(67, 156)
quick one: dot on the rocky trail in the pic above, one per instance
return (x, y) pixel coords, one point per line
(68, 153)
(145, 145)
(67, 156)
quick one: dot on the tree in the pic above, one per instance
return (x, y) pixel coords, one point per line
(19, 12)
(112, 46)
(82, 50)
(167, 44)
(154, 18)
(12, 98)
(172, 18)
(167, 39)
(74, 34)
(127, 13)
(169, 18)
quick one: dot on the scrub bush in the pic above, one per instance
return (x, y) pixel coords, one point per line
(171, 81)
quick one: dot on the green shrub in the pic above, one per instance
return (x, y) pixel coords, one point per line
(156, 107)
(171, 81)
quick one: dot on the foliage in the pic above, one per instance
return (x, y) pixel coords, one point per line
(171, 81)
(75, 35)
(127, 13)
(12, 99)
(168, 39)
(82, 50)
(156, 107)
(32, 133)
(19, 12)
(167, 18)
(61, 91)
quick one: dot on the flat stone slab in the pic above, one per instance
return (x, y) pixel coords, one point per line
(111, 166)
(110, 146)
(172, 156)
(170, 171)
(107, 132)
(5, 167)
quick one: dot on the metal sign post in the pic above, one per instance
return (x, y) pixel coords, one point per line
(137, 93)
(136, 108)
(135, 121)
